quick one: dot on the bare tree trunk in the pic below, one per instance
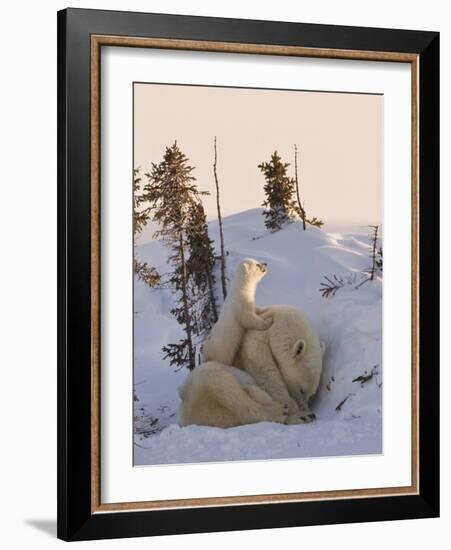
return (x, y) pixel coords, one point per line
(301, 208)
(191, 354)
(373, 253)
(221, 234)
(211, 291)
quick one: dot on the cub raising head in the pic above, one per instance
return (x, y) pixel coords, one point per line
(253, 269)
(238, 314)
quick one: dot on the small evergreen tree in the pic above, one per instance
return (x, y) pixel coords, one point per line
(200, 265)
(176, 206)
(200, 287)
(280, 204)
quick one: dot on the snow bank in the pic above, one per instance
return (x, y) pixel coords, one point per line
(349, 411)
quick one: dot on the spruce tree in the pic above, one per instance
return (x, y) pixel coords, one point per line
(175, 205)
(280, 189)
(200, 289)
(200, 266)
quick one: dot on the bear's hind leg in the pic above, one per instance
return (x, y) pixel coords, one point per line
(244, 404)
(257, 394)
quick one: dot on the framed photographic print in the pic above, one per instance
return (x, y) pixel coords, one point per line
(248, 274)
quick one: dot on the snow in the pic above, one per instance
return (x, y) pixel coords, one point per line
(349, 412)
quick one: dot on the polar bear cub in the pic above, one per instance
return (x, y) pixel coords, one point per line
(238, 314)
(285, 361)
(223, 396)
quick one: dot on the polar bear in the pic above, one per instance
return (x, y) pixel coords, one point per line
(223, 396)
(237, 314)
(285, 360)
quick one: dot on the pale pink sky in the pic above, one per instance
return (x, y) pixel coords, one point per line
(339, 138)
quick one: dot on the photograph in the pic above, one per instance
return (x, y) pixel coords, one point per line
(248, 273)
(258, 273)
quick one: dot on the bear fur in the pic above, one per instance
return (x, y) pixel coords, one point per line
(238, 314)
(285, 361)
(223, 396)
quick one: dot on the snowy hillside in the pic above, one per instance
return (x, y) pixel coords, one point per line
(348, 411)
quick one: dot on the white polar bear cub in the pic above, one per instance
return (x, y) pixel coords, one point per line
(285, 361)
(238, 314)
(223, 396)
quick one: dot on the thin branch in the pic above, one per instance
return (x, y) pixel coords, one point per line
(188, 327)
(331, 286)
(340, 405)
(221, 233)
(301, 208)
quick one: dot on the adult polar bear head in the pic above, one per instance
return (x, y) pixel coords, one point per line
(285, 360)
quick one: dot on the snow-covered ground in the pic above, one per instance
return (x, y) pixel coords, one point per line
(349, 411)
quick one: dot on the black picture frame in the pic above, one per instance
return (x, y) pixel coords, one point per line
(76, 519)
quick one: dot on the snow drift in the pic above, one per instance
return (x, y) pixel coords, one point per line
(348, 405)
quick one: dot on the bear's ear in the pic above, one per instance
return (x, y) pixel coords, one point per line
(299, 348)
(245, 267)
